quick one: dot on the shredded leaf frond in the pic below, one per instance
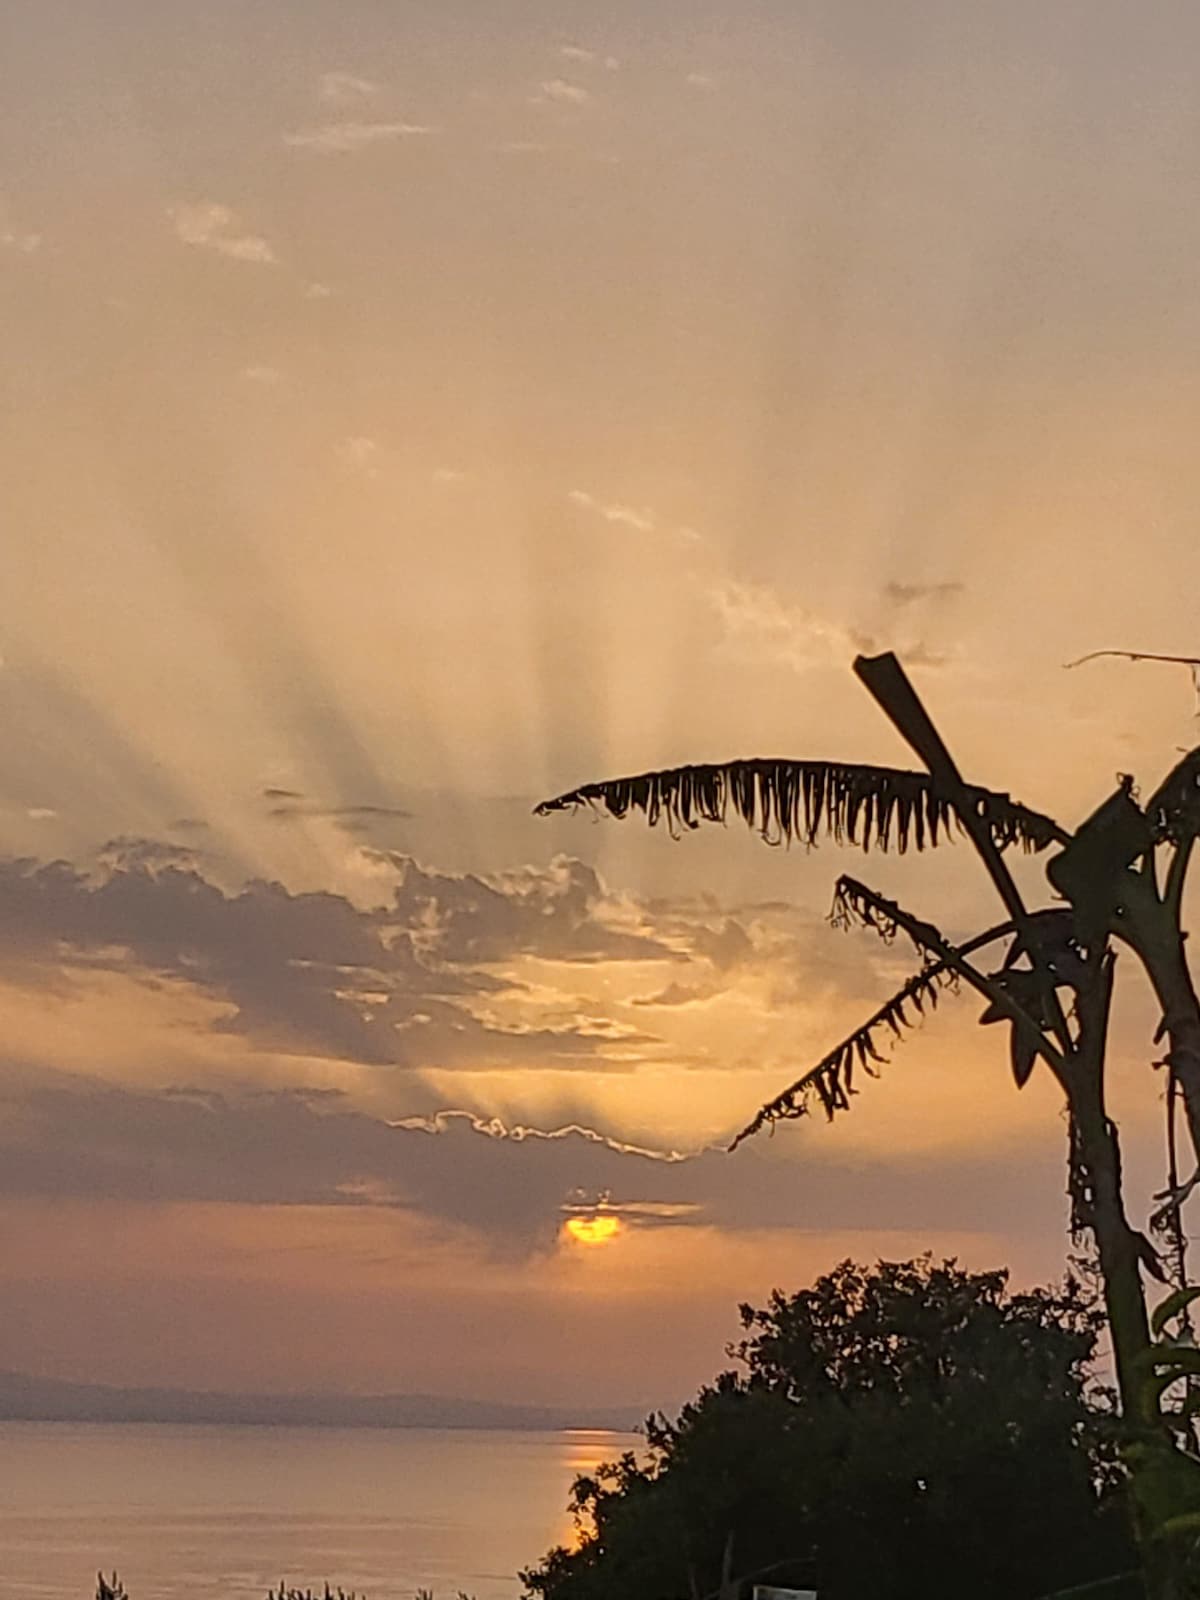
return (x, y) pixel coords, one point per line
(854, 905)
(831, 1082)
(788, 801)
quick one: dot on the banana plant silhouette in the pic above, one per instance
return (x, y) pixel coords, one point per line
(1118, 882)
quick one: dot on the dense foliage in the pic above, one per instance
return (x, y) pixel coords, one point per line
(902, 1431)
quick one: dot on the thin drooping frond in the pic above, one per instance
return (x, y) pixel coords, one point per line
(790, 801)
(1014, 995)
(831, 1082)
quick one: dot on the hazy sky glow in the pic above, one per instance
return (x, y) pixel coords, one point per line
(412, 410)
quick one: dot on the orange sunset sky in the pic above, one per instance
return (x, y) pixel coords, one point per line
(412, 410)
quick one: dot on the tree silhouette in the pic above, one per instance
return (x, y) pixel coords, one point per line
(1118, 881)
(911, 1431)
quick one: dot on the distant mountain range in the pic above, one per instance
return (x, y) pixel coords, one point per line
(28, 1399)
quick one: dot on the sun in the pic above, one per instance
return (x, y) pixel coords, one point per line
(599, 1229)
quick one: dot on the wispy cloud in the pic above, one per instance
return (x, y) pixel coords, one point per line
(25, 244)
(907, 594)
(344, 88)
(638, 519)
(267, 376)
(340, 138)
(289, 805)
(700, 80)
(562, 92)
(576, 52)
(760, 625)
(641, 521)
(676, 994)
(212, 226)
(361, 453)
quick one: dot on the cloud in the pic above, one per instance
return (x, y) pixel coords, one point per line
(700, 80)
(269, 377)
(907, 594)
(512, 1187)
(638, 519)
(759, 625)
(23, 243)
(576, 52)
(675, 994)
(344, 137)
(563, 93)
(406, 984)
(355, 818)
(762, 627)
(343, 88)
(128, 853)
(561, 912)
(361, 453)
(726, 946)
(212, 226)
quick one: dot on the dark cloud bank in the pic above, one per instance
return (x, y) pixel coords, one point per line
(393, 987)
(510, 1187)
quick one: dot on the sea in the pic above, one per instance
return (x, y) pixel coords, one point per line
(204, 1512)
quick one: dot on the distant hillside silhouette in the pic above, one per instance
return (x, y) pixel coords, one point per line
(24, 1398)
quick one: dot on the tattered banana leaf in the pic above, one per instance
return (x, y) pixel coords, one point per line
(788, 801)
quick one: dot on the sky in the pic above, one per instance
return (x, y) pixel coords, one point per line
(413, 410)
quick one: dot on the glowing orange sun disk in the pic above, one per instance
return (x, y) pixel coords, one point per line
(593, 1230)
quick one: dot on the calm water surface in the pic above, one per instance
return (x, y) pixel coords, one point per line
(219, 1513)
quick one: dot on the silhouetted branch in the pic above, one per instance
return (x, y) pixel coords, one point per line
(1192, 663)
(1134, 655)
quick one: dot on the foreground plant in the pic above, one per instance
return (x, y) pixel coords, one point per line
(114, 1589)
(888, 1431)
(1119, 881)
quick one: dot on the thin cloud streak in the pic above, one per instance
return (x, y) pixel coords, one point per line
(342, 138)
(343, 88)
(560, 91)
